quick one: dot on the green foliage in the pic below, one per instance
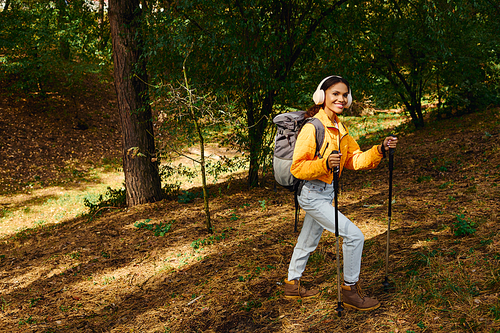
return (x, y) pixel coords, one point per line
(30, 320)
(463, 226)
(446, 184)
(424, 179)
(39, 38)
(34, 301)
(225, 165)
(421, 52)
(187, 197)
(159, 230)
(421, 325)
(262, 43)
(252, 304)
(197, 244)
(112, 198)
(495, 312)
(4, 305)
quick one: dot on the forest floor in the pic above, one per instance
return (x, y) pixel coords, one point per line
(116, 272)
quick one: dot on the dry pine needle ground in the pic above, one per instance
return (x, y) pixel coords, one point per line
(108, 275)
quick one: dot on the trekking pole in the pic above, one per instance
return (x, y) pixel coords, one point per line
(336, 171)
(389, 213)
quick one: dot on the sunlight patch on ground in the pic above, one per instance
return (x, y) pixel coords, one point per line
(49, 205)
(24, 279)
(213, 155)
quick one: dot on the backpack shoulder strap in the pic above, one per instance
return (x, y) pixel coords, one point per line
(320, 133)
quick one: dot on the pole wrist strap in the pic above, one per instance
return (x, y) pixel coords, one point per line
(382, 148)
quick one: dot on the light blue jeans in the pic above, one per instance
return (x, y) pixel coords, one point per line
(316, 200)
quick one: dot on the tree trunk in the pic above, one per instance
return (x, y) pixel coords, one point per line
(416, 110)
(64, 49)
(199, 131)
(142, 180)
(101, 25)
(257, 128)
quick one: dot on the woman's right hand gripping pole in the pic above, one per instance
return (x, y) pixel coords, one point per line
(334, 160)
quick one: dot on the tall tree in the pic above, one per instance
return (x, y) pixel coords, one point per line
(100, 21)
(247, 50)
(412, 50)
(64, 47)
(142, 180)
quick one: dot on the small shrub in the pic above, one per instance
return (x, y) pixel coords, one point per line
(463, 226)
(253, 304)
(187, 197)
(112, 198)
(159, 230)
(196, 244)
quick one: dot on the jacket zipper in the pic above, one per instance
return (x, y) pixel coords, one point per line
(340, 140)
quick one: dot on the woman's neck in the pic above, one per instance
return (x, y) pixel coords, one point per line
(330, 114)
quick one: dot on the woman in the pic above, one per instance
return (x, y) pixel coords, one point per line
(331, 97)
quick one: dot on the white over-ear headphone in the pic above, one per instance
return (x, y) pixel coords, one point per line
(319, 94)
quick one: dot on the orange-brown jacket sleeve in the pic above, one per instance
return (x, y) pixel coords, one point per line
(359, 160)
(305, 164)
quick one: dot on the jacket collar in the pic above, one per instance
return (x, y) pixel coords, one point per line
(321, 115)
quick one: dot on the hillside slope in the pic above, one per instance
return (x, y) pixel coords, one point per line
(113, 274)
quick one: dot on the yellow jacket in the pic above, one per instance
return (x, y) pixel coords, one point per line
(307, 166)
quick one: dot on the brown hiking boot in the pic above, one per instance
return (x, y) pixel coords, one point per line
(353, 298)
(293, 290)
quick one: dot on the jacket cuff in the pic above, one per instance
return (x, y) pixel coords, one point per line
(382, 148)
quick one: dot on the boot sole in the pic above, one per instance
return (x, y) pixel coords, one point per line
(361, 309)
(299, 297)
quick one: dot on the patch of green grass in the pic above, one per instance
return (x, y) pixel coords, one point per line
(34, 301)
(317, 258)
(371, 129)
(30, 320)
(197, 244)
(446, 184)
(75, 255)
(111, 164)
(4, 212)
(107, 280)
(421, 179)
(4, 304)
(495, 312)
(159, 230)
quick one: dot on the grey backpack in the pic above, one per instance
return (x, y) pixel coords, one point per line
(288, 127)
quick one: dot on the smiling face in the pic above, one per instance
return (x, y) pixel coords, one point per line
(336, 99)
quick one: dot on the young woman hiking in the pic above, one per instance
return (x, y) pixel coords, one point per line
(317, 194)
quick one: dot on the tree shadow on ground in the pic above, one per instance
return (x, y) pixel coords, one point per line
(109, 275)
